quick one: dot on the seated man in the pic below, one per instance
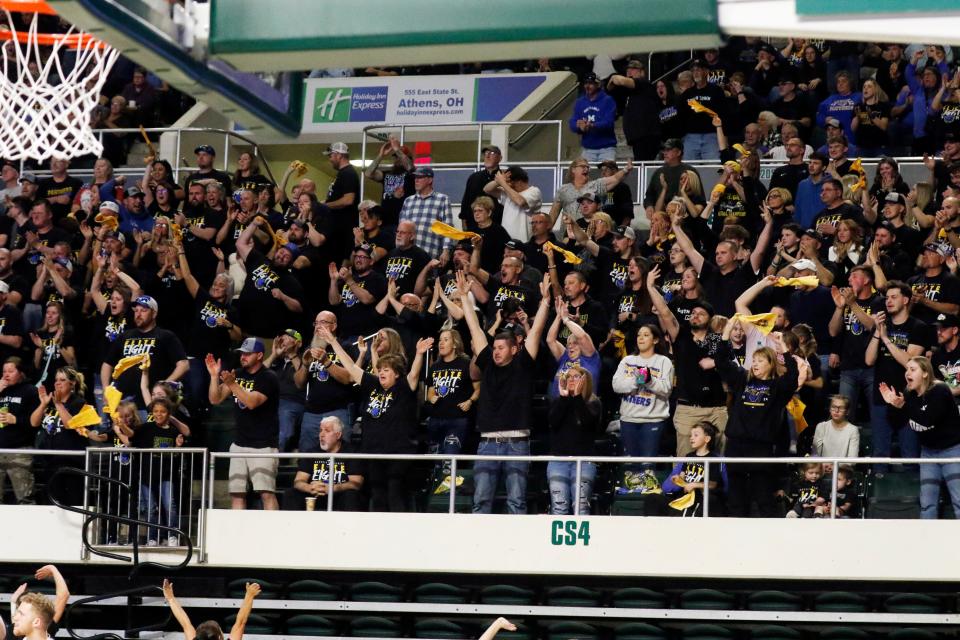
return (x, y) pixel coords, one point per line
(313, 474)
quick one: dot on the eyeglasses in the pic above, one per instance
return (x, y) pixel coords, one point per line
(574, 376)
(319, 322)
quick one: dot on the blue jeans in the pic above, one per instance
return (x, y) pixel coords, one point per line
(447, 435)
(641, 439)
(154, 497)
(884, 424)
(289, 414)
(853, 382)
(486, 475)
(931, 475)
(701, 146)
(562, 477)
(599, 155)
(197, 383)
(310, 428)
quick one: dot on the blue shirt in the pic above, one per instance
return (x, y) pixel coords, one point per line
(807, 203)
(602, 112)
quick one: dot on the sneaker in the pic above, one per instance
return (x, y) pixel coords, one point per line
(173, 541)
(151, 543)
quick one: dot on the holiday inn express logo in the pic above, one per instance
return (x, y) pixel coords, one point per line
(349, 104)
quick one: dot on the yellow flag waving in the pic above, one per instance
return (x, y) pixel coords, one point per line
(129, 361)
(802, 281)
(683, 502)
(86, 417)
(445, 230)
(568, 256)
(110, 222)
(762, 321)
(699, 108)
(111, 399)
(795, 408)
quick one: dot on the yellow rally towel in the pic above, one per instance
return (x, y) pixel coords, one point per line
(762, 321)
(718, 189)
(861, 183)
(176, 231)
(620, 344)
(445, 230)
(857, 166)
(742, 150)
(86, 417)
(111, 399)
(682, 503)
(795, 408)
(568, 256)
(699, 108)
(108, 221)
(270, 232)
(802, 281)
(129, 361)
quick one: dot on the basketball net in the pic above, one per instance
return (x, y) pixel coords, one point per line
(45, 105)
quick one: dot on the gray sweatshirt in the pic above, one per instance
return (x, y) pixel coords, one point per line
(649, 402)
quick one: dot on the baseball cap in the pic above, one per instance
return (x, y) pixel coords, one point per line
(513, 244)
(813, 233)
(251, 345)
(591, 78)
(947, 320)
(293, 333)
(492, 147)
(833, 122)
(625, 232)
(766, 48)
(133, 191)
(337, 147)
(936, 248)
(364, 248)
(950, 136)
(697, 63)
(113, 233)
(889, 226)
(635, 64)
(205, 148)
(703, 304)
(65, 263)
(609, 164)
(4, 287)
(26, 176)
(292, 248)
(148, 302)
(300, 223)
(672, 143)
(464, 245)
(896, 197)
(589, 195)
(423, 172)
(803, 264)
(110, 205)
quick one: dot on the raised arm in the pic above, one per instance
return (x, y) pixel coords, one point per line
(494, 629)
(253, 590)
(763, 241)
(423, 346)
(478, 341)
(356, 373)
(555, 347)
(532, 343)
(189, 633)
(50, 572)
(742, 303)
(610, 182)
(683, 241)
(668, 321)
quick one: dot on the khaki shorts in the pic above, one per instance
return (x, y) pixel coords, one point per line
(686, 416)
(260, 472)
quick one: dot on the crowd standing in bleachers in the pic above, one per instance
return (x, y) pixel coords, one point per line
(752, 321)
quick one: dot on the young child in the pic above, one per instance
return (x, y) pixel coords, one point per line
(836, 437)
(687, 478)
(846, 492)
(806, 493)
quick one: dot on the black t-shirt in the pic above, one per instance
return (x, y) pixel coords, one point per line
(696, 385)
(946, 366)
(260, 313)
(452, 384)
(610, 276)
(934, 416)
(722, 290)
(254, 182)
(112, 327)
(845, 211)
(389, 416)
(51, 350)
(640, 115)
(404, 265)
(354, 317)
(221, 177)
(712, 97)
(887, 369)
(58, 435)
(11, 324)
(505, 392)
(50, 188)
(165, 351)
(19, 400)
(789, 176)
(347, 181)
(499, 293)
(205, 335)
(855, 338)
(495, 237)
(391, 202)
(259, 427)
(324, 393)
(317, 468)
(944, 287)
(869, 135)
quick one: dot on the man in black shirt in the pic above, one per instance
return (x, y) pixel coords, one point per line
(343, 196)
(935, 289)
(946, 361)
(11, 325)
(355, 292)
(18, 399)
(504, 405)
(700, 139)
(313, 474)
(835, 209)
(641, 121)
(790, 175)
(59, 189)
(205, 171)
(475, 184)
(256, 394)
(406, 260)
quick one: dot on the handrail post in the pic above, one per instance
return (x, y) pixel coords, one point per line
(178, 159)
(213, 480)
(576, 490)
(452, 508)
(363, 164)
(479, 154)
(84, 552)
(833, 490)
(202, 512)
(706, 488)
(226, 153)
(330, 464)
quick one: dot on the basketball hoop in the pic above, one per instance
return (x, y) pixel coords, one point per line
(45, 110)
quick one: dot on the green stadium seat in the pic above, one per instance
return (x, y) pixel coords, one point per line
(374, 627)
(238, 588)
(639, 598)
(774, 601)
(912, 634)
(375, 592)
(845, 633)
(895, 496)
(570, 596)
(45, 587)
(571, 630)
(639, 631)
(706, 632)
(440, 593)
(439, 628)
(312, 590)
(912, 603)
(707, 599)
(256, 625)
(770, 632)
(506, 594)
(310, 625)
(840, 602)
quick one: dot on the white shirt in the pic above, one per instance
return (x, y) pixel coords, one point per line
(516, 219)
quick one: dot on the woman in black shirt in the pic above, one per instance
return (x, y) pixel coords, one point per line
(452, 391)
(933, 414)
(389, 418)
(574, 423)
(52, 415)
(53, 342)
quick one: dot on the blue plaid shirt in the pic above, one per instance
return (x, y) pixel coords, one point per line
(422, 211)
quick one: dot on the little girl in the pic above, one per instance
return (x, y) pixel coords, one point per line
(688, 477)
(836, 437)
(807, 501)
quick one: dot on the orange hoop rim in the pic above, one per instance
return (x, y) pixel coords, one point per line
(27, 6)
(71, 41)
